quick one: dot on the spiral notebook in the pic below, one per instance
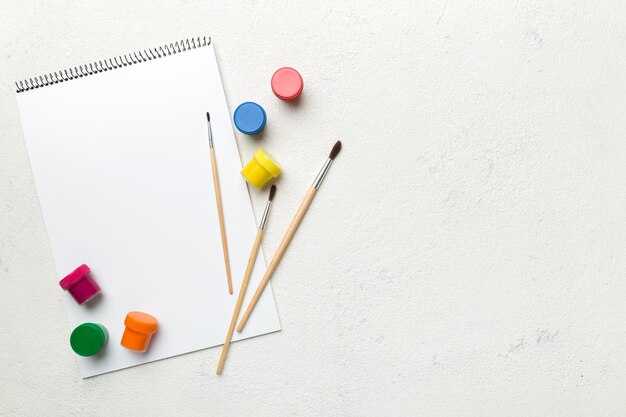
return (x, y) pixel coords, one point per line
(120, 158)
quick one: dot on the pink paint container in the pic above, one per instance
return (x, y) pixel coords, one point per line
(80, 284)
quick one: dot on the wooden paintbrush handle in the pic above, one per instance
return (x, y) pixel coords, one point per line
(220, 212)
(304, 206)
(242, 294)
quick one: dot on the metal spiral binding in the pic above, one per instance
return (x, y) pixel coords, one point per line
(111, 63)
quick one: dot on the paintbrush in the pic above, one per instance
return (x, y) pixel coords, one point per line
(220, 210)
(246, 280)
(290, 232)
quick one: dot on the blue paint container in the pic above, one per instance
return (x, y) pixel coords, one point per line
(249, 118)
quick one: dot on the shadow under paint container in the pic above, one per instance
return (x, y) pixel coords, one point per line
(139, 330)
(261, 169)
(80, 284)
(89, 339)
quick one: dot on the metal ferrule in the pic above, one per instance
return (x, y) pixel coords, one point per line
(210, 136)
(322, 174)
(266, 212)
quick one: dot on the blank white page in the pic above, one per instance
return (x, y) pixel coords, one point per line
(122, 166)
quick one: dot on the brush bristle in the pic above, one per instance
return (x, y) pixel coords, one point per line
(272, 192)
(335, 150)
(208, 117)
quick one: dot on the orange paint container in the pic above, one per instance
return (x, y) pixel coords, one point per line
(139, 330)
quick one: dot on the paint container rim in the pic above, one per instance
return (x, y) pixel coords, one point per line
(73, 277)
(141, 322)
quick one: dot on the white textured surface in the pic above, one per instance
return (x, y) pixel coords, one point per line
(465, 256)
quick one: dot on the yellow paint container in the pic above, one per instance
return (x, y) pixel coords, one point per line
(261, 169)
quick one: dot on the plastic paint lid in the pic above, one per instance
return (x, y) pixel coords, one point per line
(249, 118)
(74, 276)
(287, 83)
(267, 162)
(141, 322)
(88, 339)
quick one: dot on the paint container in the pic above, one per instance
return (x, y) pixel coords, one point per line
(89, 339)
(139, 330)
(287, 84)
(261, 169)
(80, 284)
(249, 118)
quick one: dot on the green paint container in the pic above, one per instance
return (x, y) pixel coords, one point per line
(88, 339)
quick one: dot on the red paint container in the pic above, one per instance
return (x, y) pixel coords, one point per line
(287, 84)
(80, 284)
